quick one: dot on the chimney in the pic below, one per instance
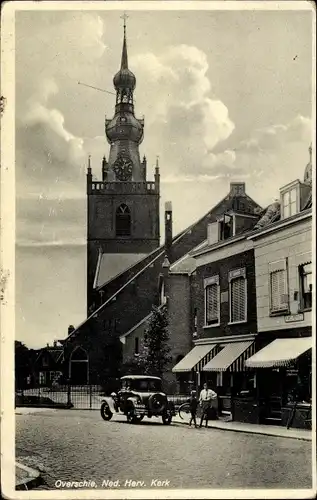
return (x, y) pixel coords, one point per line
(237, 188)
(168, 229)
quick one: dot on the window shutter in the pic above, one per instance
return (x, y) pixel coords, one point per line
(238, 305)
(279, 295)
(212, 308)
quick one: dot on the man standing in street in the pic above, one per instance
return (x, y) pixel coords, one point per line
(205, 398)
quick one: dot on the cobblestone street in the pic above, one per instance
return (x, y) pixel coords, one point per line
(74, 445)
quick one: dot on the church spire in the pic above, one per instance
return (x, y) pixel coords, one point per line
(124, 57)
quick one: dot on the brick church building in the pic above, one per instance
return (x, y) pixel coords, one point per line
(124, 256)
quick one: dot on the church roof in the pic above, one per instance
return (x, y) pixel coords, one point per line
(111, 265)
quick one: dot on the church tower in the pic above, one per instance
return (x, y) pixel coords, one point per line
(123, 207)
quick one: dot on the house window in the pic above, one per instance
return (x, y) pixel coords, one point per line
(238, 296)
(289, 200)
(136, 346)
(212, 301)
(162, 294)
(278, 291)
(306, 286)
(123, 221)
(42, 378)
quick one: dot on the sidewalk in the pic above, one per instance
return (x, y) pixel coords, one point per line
(26, 478)
(267, 430)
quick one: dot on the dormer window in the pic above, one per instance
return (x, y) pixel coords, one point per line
(290, 199)
(289, 203)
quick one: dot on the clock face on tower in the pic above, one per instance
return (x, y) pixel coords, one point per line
(123, 168)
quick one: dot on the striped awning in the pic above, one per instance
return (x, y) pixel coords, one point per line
(280, 352)
(196, 358)
(232, 357)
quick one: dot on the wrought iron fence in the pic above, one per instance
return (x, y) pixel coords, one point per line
(73, 396)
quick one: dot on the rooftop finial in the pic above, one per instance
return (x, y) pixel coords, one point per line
(157, 161)
(89, 161)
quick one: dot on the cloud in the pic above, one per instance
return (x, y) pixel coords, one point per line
(180, 112)
(271, 157)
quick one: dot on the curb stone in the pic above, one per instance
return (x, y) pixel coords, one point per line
(265, 432)
(30, 477)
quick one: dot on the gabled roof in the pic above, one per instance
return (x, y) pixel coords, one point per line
(56, 353)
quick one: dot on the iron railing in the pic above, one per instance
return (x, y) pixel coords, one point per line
(73, 396)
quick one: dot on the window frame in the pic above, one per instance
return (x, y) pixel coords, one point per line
(233, 275)
(286, 194)
(302, 307)
(208, 282)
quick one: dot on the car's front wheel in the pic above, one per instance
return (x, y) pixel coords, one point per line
(132, 418)
(105, 411)
(166, 418)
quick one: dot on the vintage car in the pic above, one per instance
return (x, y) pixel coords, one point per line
(140, 396)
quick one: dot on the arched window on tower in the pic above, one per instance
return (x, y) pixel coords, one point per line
(123, 221)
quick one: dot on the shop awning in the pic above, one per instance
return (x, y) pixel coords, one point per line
(231, 357)
(195, 359)
(280, 352)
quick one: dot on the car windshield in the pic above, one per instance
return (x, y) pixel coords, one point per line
(142, 385)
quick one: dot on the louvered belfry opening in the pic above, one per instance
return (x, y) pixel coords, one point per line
(123, 221)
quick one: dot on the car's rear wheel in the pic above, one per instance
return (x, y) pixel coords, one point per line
(105, 411)
(167, 419)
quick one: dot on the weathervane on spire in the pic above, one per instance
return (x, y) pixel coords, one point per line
(124, 17)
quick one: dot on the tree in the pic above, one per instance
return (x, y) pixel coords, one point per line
(22, 363)
(155, 354)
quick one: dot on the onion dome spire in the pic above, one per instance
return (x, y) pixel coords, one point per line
(124, 81)
(308, 174)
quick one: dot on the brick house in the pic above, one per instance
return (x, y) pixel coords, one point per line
(48, 366)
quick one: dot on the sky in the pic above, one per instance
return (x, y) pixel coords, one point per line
(226, 96)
